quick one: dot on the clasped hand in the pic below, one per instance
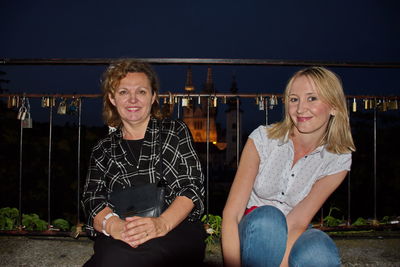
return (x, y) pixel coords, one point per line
(137, 230)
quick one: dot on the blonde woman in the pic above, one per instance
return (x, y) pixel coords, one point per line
(286, 172)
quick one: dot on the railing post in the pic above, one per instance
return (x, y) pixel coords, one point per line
(20, 175)
(49, 164)
(375, 128)
(78, 174)
(208, 153)
(237, 131)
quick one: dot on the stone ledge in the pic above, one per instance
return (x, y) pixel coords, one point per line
(66, 251)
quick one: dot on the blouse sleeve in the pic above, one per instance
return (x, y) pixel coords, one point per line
(340, 163)
(259, 137)
(190, 180)
(94, 198)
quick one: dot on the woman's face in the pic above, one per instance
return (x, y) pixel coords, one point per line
(133, 98)
(309, 114)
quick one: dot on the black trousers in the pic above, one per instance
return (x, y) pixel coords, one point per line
(183, 246)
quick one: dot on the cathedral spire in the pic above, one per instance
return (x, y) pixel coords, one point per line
(189, 82)
(209, 86)
(234, 90)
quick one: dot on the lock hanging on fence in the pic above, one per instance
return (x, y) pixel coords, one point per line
(62, 107)
(22, 113)
(73, 107)
(27, 121)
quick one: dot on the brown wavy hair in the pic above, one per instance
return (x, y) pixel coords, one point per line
(338, 138)
(111, 80)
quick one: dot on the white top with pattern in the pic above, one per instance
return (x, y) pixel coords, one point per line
(280, 185)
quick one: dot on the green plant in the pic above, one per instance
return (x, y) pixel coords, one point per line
(360, 221)
(8, 218)
(331, 221)
(61, 224)
(212, 224)
(33, 222)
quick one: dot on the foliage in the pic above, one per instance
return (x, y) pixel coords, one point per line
(385, 219)
(8, 218)
(61, 224)
(32, 222)
(331, 221)
(9, 221)
(360, 221)
(212, 224)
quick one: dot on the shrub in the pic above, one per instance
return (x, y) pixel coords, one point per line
(61, 224)
(32, 222)
(8, 218)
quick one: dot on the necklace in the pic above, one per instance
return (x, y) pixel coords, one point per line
(133, 155)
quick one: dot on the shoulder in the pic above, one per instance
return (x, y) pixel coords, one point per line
(106, 143)
(329, 156)
(174, 125)
(260, 134)
(336, 162)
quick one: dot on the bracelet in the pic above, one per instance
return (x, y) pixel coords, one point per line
(108, 216)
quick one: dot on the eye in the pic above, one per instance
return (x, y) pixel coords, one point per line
(312, 98)
(293, 99)
(142, 91)
(122, 92)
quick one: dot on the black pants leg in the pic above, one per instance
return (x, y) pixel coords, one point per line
(183, 246)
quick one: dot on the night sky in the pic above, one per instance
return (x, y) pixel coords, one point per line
(339, 31)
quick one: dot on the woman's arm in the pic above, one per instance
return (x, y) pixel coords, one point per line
(237, 201)
(301, 215)
(138, 230)
(94, 197)
(189, 178)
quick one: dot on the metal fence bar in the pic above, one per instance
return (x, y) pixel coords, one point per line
(78, 173)
(208, 155)
(375, 127)
(162, 95)
(198, 61)
(49, 163)
(237, 131)
(21, 135)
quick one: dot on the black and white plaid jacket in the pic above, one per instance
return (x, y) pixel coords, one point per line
(109, 169)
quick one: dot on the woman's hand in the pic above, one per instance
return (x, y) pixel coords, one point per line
(138, 230)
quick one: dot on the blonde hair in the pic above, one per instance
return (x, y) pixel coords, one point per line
(338, 138)
(111, 79)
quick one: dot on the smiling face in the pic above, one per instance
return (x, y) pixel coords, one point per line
(309, 114)
(133, 98)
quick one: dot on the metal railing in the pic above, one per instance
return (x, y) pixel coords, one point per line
(177, 99)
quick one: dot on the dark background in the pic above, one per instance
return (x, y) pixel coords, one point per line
(336, 31)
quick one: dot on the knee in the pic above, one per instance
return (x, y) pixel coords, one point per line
(264, 218)
(314, 248)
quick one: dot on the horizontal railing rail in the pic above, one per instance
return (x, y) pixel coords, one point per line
(198, 61)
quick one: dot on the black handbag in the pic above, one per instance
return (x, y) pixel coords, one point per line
(147, 200)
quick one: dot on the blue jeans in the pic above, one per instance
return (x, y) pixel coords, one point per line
(263, 235)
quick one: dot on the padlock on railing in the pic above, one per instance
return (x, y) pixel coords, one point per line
(15, 101)
(10, 102)
(185, 101)
(27, 121)
(62, 107)
(354, 106)
(261, 104)
(73, 107)
(22, 113)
